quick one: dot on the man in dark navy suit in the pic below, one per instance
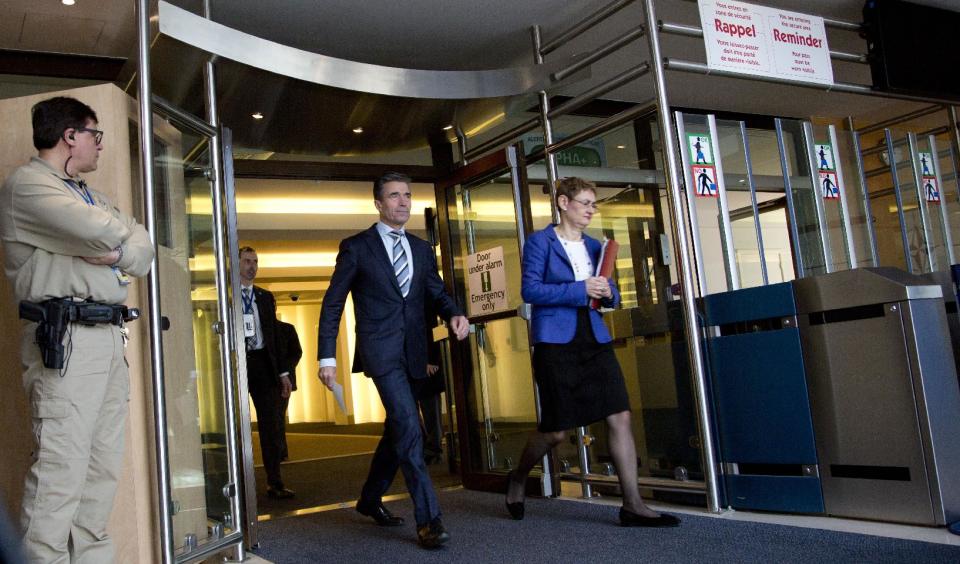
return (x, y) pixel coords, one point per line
(267, 383)
(392, 276)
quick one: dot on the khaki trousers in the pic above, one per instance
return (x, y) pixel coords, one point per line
(78, 427)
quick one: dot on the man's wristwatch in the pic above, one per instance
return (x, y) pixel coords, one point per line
(119, 250)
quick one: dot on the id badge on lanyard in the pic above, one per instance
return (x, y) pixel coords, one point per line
(249, 323)
(122, 277)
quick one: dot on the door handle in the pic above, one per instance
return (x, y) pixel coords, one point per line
(525, 311)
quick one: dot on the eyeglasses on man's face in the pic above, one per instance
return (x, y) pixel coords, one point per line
(97, 134)
(586, 203)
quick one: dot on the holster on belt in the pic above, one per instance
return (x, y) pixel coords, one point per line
(54, 316)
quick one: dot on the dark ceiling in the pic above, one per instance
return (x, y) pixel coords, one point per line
(303, 117)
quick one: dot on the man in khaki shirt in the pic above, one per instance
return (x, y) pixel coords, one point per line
(64, 240)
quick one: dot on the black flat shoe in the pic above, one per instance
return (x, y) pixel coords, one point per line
(432, 535)
(380, 514)
(279, 493)
(631, 519)
(515, 509)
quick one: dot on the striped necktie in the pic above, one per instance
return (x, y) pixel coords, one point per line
(400, 266)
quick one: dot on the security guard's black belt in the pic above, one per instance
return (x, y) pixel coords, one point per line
(86, 313)
(54, 316)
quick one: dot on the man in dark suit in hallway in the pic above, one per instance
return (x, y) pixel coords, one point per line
(265, 380)
(288, 342)
(392, 275)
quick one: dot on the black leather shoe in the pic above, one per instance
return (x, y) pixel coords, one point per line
(432, 535)
(279, 493)
(631, 519)
(517, 508)
(379, 514)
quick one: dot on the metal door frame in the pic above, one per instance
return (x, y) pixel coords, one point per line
(509, 160)
(222, 327)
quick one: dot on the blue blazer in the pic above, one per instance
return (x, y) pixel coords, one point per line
(391, 331)
(548, 283)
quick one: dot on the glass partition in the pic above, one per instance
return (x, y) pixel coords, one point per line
(903, 181)
(928, 197)
(499, 386)
(195, 400)
(850, 158)
(834, 184)
(949, 184)
(810, 240)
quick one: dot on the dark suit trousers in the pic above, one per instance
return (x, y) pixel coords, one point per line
(432, 425)
(265, 391)
(284, 404)
(401, 447)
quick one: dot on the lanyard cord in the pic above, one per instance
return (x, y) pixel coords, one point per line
(81, 189)
(247, 296)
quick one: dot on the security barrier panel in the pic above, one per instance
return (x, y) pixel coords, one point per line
(947, 282)
(764, 429)
(883, 395)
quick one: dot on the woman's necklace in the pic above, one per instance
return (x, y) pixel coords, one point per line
(580, 270)
(564, 239)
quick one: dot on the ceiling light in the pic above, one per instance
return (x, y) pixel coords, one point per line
(621, 146)
(256, 115)
(68, 2)
(447, 127)
(358, 130)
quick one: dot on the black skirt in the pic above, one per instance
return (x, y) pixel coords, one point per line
(580, 382)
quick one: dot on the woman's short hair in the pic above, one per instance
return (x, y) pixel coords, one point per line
(572, 185)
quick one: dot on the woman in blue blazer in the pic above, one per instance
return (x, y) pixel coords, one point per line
(577, 374)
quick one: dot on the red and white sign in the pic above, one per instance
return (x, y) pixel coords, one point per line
(705, 181)
(829, 185)
(931, 190)
(762, 41)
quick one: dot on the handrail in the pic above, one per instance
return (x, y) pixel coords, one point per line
(583, 25)
(900, 119)
(588, 96)
(843, 24)
(524, 127)
(933, 131)
(567, 107)
(613, 121)
(145, 103)
(600, 53)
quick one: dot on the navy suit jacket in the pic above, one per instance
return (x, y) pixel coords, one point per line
(391, 333)
(549, 285)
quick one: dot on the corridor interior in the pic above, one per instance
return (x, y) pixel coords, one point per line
(296, 227)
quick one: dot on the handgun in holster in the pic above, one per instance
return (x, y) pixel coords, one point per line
(52, 319)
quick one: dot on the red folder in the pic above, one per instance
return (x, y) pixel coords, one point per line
(608, 259)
